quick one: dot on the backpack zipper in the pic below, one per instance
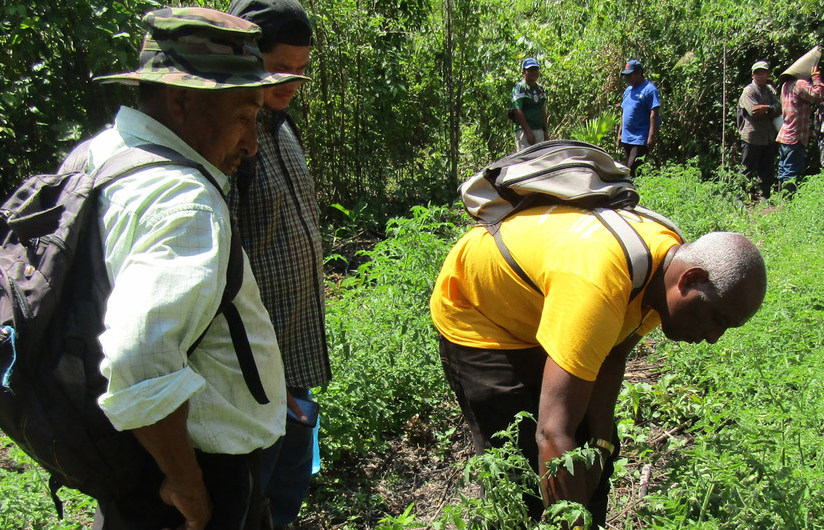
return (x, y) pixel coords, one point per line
(548, 172)
(20, 300)
(56, 241)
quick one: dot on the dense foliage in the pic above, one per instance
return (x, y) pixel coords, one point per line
(409, 96)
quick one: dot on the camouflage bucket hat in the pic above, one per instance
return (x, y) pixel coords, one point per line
(200, 48)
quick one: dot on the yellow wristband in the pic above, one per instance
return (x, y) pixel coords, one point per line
(602, 444)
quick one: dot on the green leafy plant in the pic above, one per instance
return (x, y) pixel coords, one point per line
(385, 359)
(593, 131)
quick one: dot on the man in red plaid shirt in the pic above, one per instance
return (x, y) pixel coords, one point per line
(798, 95)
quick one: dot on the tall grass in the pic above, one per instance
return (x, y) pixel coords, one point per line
(757, 460)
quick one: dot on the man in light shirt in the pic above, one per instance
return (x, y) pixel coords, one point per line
(758, 105)
(174, 378)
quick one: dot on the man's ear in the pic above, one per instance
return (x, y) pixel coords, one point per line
(177, 103)
(692, 277)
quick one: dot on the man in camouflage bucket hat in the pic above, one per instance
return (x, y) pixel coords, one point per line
(166, 238)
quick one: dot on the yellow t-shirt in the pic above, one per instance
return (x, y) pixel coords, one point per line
(480, 302)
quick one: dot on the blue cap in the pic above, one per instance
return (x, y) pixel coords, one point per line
(633, 65)
(529, 62)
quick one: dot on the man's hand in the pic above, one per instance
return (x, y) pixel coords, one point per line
(191, 499)
(295, 408)
(759, 111)
(530, 136)
(169, 444)
(563, 404)
(652, 138)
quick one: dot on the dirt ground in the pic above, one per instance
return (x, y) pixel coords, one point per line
(419, 470)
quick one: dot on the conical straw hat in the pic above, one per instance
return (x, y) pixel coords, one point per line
(801, 68)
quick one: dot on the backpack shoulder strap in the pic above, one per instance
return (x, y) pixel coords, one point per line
(636, 251)
(143, 157)
(294, 126)
(660, 219)
(639, 259)
(510, 260)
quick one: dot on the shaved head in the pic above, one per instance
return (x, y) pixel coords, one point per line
(734, 265)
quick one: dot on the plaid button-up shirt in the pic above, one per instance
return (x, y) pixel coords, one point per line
(758, 131)
(797, 98)
(277, 212)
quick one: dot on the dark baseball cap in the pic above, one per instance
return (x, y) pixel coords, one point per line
(281, 21)
(633, 65)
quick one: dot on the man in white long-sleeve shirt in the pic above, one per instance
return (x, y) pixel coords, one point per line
(166, 237)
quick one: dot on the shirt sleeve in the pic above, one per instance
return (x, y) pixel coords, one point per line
(747, 100)
(167, 275)
(518, 95)
(813, 93)
(654, 102)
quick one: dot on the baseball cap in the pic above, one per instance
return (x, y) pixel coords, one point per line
(760, 65)
(281, 21)
(529, 62)
(200, 48)
(633, 65)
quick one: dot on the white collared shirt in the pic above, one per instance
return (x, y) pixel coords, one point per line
(166, 239)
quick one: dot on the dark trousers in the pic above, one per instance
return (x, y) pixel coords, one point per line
(634, 154)
(494, 385)
(759, 163)
(287, 469)
(233, 484)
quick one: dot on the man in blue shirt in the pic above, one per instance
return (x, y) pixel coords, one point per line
(638, 130)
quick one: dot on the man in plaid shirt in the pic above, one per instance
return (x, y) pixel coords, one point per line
(278, 215)
(798, 96)
(758, 105)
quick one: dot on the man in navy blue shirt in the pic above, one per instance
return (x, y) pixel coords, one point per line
(638, 130)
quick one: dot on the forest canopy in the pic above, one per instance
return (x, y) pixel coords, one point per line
(409, 97)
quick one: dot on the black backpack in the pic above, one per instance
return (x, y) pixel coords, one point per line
(563, 172)
(53, 289)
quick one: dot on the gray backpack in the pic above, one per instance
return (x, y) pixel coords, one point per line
(53, 289)
(563, 172)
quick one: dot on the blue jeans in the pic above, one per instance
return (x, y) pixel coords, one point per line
(287, 469)
(791, 161)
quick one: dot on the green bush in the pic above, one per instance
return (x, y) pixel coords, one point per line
(384, 354)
